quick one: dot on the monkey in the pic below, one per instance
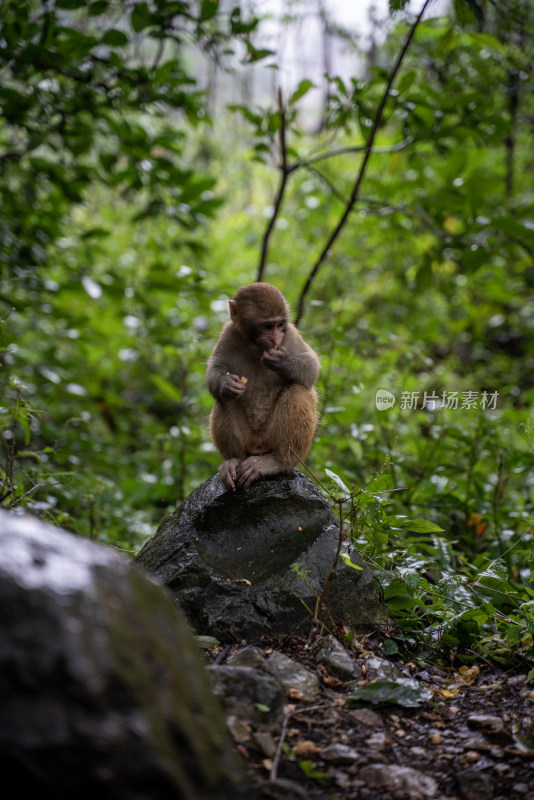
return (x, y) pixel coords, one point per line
(262, 374)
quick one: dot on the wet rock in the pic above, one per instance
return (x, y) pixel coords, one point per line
(336, 659)
(227, 559)
(402, 783)
(339, 754)
(292, 675)
(102, 688)
(475, 784)
(243, 689)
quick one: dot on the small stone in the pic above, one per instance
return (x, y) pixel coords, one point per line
(366, 717)
(266, 743)
(487, 723)
(400, 733)
(420, 752)
(403, 783)
(339, 753)
(501, 768)
(248, 657)
(378, 741)
(436, 738)
(381, 669)
(248, 693)
(471, 757)
(336, 659)
(520, 788)
(475, 784)
(291, 675)
(239, 730)
(476, 744)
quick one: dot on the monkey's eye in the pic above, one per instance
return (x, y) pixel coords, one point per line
(281, 326)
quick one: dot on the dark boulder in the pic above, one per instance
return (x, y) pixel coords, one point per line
(227, 559)
(103, 693)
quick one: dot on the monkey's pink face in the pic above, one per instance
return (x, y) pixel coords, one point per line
(270, 334)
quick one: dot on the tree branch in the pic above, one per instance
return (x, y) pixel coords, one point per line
(285, 170)
(359, 178)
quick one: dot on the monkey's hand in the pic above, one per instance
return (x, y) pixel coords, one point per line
(230, 386)
(228, 473)
(276, 359)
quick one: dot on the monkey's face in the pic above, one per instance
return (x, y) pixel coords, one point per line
(269, 334)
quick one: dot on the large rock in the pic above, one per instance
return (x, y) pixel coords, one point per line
(227, 559)
(103, 693)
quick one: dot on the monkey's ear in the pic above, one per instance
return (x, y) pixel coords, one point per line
(233, 310)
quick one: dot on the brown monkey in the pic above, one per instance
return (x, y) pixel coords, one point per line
(261, 374)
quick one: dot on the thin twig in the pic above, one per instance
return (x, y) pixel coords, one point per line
(367, 155)
(341, 151)
(276, 759)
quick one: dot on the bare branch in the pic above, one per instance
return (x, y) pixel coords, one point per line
(341, 151)
(285, 170)
(359, 178)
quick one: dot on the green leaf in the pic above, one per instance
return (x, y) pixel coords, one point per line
(415, 525)
(70, 4)
(114, 38)
(209, 9)
(99, 7)
(256, 55)
(302, 89)
(141, 17)
(348, 562)
(397, 5)
(166, 387)
(337, 480)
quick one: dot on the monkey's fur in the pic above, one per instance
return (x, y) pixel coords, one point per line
(261, 374)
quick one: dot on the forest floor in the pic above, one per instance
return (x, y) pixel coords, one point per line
(472, 739)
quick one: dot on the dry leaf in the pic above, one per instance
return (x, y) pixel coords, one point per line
(469, 674)
(294, 694)
(305, 748)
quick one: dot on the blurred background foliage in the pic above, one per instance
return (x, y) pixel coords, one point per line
(154, 157)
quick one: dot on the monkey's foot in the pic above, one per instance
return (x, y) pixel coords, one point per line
(228, 473)
(255, 467)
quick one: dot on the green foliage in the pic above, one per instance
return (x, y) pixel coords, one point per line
(97, 95)
(118, 254)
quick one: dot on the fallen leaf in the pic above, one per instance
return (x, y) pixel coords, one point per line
(447, 692)
(469, 674)
(305, 748)
(294, 694)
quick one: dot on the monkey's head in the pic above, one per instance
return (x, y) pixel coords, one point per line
(261, 314)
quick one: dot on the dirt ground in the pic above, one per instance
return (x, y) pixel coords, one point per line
(472, 739)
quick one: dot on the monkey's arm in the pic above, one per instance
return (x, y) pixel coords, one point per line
(296, 361)
(222, 382)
